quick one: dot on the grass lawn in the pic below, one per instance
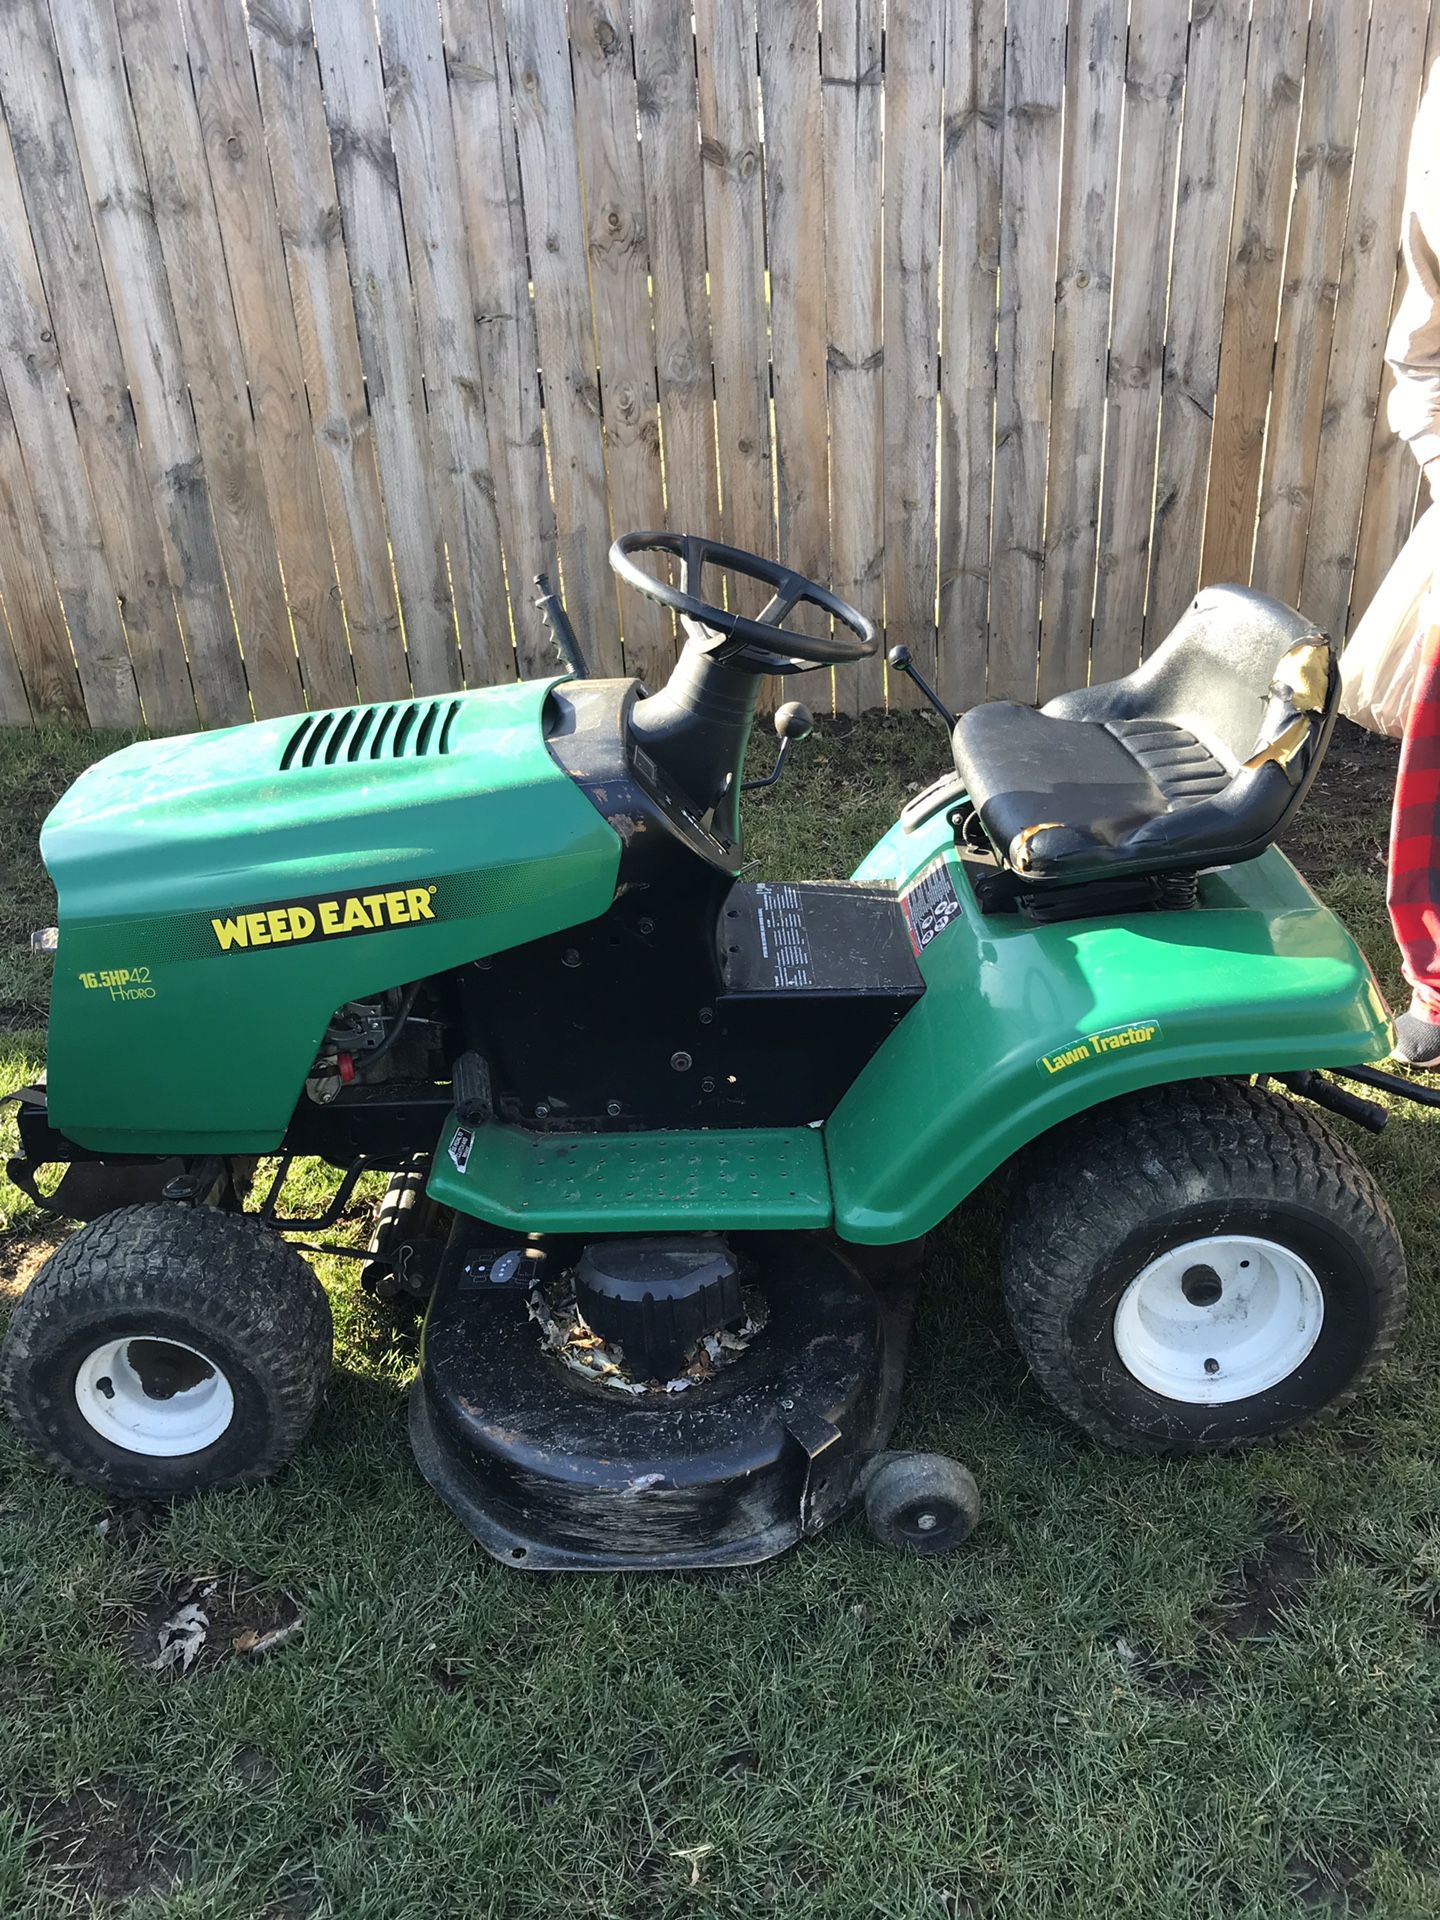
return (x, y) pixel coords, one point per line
(1144, 1689)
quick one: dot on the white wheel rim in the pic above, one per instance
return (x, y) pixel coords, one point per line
(1219, 1319)
(154, 1397)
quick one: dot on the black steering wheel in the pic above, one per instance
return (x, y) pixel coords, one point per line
(760, 644)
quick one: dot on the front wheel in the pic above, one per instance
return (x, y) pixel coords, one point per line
(165, 1349)
(1200, 1266)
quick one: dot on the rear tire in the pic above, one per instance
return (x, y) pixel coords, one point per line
(1200, 1266)
(166, 1349)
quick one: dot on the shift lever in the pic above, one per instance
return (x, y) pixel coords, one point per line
(792, 722)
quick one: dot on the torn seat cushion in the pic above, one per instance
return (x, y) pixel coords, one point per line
(1194, 760)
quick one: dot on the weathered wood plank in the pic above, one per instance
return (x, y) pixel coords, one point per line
(607, 126)
(103, 124)
(1269, 123)
(970, 249)
(45, 428)
(228, 108)
(1034, 84)
(367, 184)
(734, 230)
(298, 145)
(32, 606)
(1334, 65)
(1209, 150)
(1393, 72)
(555, 222)
(479, 73)
(79, 305)
(914, 104)
(418, 100)
(1149, 141)
(184, 209)
(1094, 90)
(796, 250)
(675, 210)
(15, 708)
(853, 88)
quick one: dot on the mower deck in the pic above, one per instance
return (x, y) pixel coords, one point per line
(557, 1472)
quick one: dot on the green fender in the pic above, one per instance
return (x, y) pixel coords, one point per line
(1024, 1025)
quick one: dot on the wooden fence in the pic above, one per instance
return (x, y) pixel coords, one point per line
(325, 323)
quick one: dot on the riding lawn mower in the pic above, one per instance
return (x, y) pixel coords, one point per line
(664, 1140)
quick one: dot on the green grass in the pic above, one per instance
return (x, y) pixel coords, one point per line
(1144, 1689)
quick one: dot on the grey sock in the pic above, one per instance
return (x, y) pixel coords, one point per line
(1417, 1040)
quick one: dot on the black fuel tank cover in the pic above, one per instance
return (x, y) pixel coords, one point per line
(655, 1296)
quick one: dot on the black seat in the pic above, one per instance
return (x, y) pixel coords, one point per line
(1194, 760)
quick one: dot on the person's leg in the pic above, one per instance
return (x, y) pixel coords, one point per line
(1414, 891)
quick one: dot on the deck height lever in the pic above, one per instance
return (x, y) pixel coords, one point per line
(899, 661)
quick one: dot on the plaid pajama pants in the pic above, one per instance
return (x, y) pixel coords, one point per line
(1414, 893)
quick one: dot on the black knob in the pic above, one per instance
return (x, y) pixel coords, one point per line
(794, 721)
(899, 658)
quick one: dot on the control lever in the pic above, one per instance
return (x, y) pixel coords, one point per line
(792, 722)
(552, 612)
(898, 658)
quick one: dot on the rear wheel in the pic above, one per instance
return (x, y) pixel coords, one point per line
(165, 1349)
(1200, 1266)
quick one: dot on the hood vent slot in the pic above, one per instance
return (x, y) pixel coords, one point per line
(405, 730)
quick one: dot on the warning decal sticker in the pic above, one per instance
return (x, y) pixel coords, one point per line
(930, 903)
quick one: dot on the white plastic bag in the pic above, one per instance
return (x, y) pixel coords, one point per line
(1378, 667)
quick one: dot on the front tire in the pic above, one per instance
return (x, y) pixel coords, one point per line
(166, 1349)
(1200, 1266)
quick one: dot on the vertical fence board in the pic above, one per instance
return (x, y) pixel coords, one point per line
(1362, 313)
(607, 123)
(369, 193)
(158, 73)
(422, 137)
(914, 104)
(108, 143)
(1095, 74)
(1334, 65)
(1149, 139)
(14, 702)
(675, 216)
(505, 321)
(1034, 86)
(298, 147)
(79, 305)
(795, 247)
(1268, 128)
(1209, 149)
(45, 428)
(734, 237)
(852, 84)
(555, 221)
(32, 608)
(970, 262)
(229, 116)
